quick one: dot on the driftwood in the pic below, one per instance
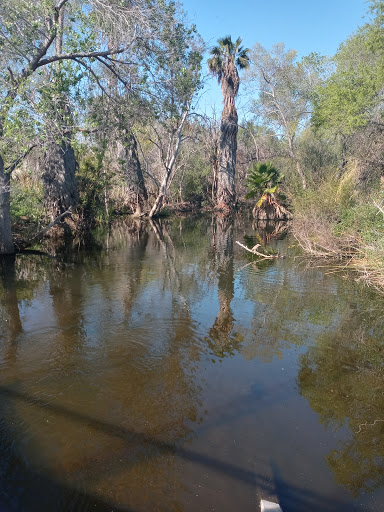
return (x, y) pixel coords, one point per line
(40, 234)
(257, 253)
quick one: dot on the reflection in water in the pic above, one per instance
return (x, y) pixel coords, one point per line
(117, 392)
(220, 332)
(266, 230)
(10, 307)
(342, 377)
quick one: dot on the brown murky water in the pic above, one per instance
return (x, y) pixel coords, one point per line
(167, 372)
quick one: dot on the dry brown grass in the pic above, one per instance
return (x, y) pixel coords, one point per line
(340, 254)
(314, 235)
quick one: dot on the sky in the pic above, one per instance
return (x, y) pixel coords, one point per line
(303, 25)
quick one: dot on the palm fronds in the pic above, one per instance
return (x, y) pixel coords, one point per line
(227, 55)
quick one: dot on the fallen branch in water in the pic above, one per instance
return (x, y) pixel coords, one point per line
(257, 253)
(366, 425)
(41, 233)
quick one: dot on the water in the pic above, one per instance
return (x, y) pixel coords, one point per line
(169, 372)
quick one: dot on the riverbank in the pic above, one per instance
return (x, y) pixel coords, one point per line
(343, 227)
(331, 224)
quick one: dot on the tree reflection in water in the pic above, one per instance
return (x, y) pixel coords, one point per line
(116, 356)
(342, 376)
(220, 339)
(267, 230)
(109, 391)
(10, 308)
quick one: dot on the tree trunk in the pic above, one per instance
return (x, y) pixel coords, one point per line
(155, 210)
(270, 209)
(300, 171)
(226, 198)
(134, 174)
(59, 180)
(215, 168)
(59, 164)
(6, 242)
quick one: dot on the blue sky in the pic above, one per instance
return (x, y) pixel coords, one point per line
(303, 25)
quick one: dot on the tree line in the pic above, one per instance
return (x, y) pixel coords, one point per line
(99, 114)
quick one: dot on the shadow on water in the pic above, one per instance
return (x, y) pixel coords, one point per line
(41, 489)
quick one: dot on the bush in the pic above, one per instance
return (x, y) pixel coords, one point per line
(91, 186)
(336, 220)
(27, 200)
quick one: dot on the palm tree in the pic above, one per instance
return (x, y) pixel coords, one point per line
(226, 58)
(263, 181)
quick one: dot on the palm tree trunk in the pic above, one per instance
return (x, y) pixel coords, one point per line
(226, 197)
(6, 242)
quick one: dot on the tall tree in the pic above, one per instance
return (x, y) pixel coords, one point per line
(29, 32)
(173, 78)
(227, 58)
(349, 104)
(352, 96)
(284, 87)
(58, 161)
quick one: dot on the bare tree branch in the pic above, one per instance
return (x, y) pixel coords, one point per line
(80, 55)
(16, 162)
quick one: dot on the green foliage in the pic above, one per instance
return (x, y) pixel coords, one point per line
(285, 87)
(92, 183)
(27, 200)
(319, 154)
(328, 200)
(352, 95)
(263, 178)
(196, 184)
(362, 220)
(227, 54)
(175, 61)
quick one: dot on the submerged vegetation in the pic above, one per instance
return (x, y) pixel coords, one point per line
(99, 116)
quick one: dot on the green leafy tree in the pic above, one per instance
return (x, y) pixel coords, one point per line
(172, 81)
(227, 58)
(98, 34)
(352, 96)
(284, 87)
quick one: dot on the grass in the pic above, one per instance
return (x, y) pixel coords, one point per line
(340, 222)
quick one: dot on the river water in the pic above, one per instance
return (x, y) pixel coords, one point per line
(167, 371)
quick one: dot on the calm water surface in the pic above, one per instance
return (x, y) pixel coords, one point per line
(169, 372)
